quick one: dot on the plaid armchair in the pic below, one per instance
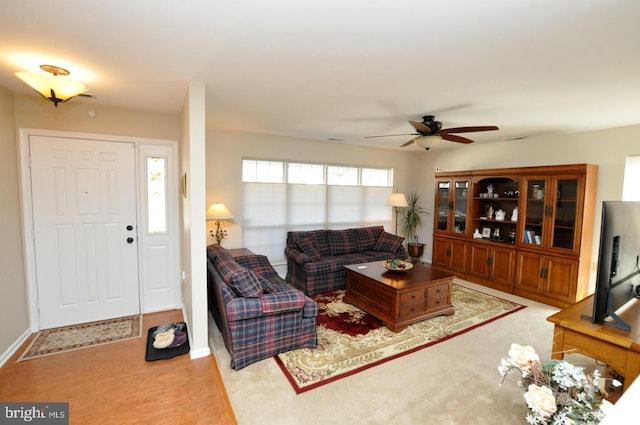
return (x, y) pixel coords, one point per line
(258, 314)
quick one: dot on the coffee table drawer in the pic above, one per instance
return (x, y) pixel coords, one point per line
(413, 309)
(412, 296)
(435, 302)
(439, 290)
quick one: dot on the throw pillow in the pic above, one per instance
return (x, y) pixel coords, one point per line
(388, 242)
(259, 264)
(242, 281)
(246, 284)
(307, 247)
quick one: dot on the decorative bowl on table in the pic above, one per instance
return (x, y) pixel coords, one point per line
(397, 265)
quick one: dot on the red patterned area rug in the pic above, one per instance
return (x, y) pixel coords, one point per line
(350, 340)
(76, 337)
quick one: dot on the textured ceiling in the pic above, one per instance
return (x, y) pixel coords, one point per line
(337, 69)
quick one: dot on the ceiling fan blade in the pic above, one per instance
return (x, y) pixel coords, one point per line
(469, 129)
(420, 127)
(408, 143)
(390, 135)
(454, 138)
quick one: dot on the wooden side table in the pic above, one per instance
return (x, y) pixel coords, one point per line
(617, 348)
(239, 252)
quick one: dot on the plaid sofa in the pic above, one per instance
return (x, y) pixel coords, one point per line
(258, 314)
(316, 258)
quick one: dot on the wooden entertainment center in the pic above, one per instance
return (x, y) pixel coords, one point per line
(541, 252)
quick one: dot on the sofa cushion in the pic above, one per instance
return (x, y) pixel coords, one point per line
(306, 245)
(366, 237)
(388, 242)
(244, 282)
(342, 241)
(319, 238)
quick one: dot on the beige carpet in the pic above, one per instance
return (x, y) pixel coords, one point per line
(454, 383)
(77, 337)
(339, 354)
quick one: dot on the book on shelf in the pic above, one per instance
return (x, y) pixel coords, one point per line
(530, 236)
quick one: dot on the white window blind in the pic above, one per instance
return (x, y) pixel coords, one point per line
(308, 197)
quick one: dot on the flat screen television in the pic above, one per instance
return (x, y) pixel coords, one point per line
(618, 277)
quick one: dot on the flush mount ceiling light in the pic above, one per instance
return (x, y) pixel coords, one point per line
(53, 87)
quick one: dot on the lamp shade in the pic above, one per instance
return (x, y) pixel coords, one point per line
(51, 87)
(397, 200)
(427, 142)
(218, 211)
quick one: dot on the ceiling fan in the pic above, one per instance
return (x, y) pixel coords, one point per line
(430, 127)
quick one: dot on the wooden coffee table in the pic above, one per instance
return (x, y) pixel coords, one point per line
(397, 298)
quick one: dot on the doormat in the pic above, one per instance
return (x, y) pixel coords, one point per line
(76, 337)
(350, 340)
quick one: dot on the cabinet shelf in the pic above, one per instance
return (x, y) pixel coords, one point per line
(486, 220)
(479, 198)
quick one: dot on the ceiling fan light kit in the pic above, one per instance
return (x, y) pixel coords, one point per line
(430, 132)
(52, 86)
(427, 142)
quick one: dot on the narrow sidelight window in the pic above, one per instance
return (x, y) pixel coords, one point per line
(157, 194)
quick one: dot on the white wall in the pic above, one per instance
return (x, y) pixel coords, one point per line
(192, 151)
(13, 302)
(34, 112)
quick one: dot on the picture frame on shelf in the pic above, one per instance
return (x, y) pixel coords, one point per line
(486, 232)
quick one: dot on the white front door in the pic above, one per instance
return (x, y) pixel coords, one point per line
(84, 218)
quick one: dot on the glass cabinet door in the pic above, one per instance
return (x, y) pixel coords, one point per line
(442, 207)
(535, 212)
(461, 188)
(564, 211)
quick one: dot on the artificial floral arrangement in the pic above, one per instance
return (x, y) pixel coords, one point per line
(557, 392)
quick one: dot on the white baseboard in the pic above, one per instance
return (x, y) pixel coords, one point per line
(14, 347)
(194, 354)
(203, 352)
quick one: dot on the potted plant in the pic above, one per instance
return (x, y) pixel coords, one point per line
(411, 221)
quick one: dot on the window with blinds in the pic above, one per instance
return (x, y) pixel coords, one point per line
(280, 196)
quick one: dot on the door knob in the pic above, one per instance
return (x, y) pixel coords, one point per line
(129, 240)
(129, 227)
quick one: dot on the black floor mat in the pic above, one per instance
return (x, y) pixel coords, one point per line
(165, 353)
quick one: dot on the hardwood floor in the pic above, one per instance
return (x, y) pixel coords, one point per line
(113, 384)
